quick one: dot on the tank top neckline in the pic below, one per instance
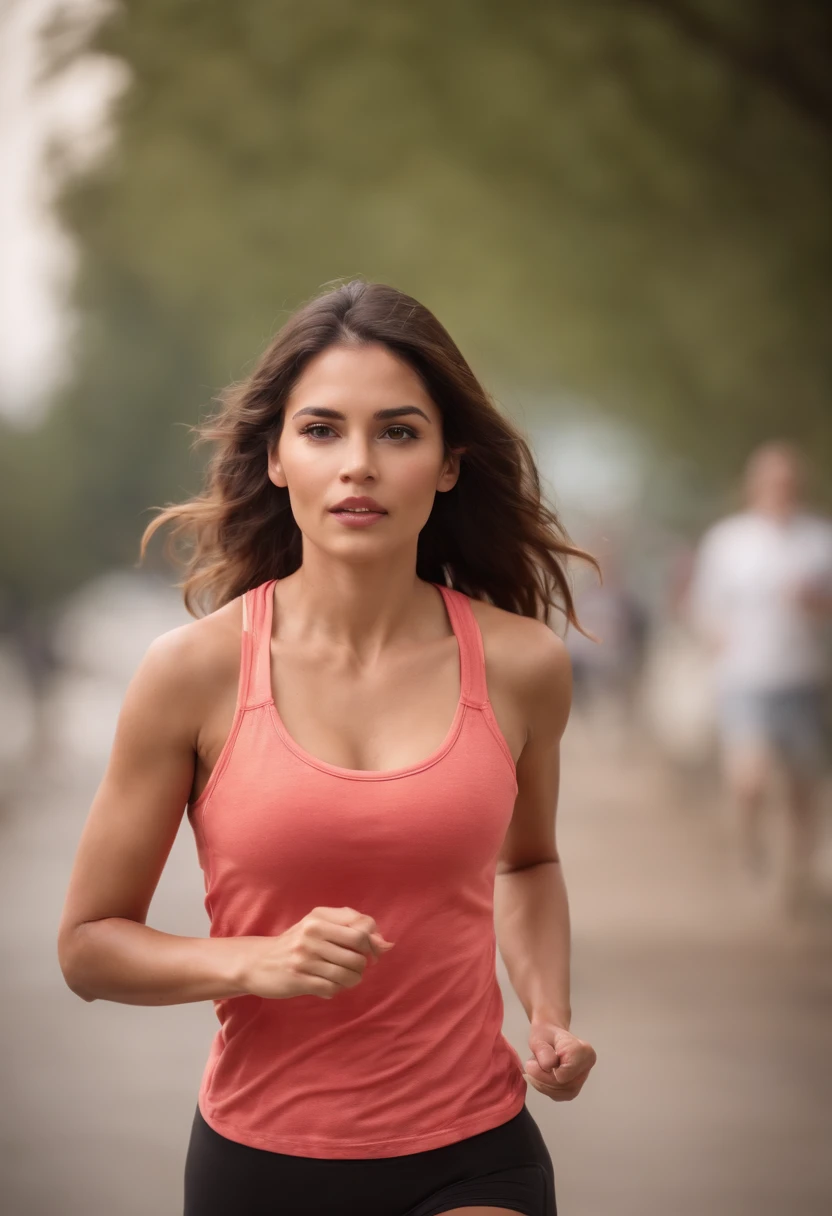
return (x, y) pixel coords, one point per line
(472, 691)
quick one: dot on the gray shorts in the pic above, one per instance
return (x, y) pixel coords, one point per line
(792, 721)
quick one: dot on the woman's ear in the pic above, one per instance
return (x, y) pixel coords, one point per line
(275, 471)
(450, 471)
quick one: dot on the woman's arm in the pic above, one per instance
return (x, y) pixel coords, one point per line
(533, 936)
(105, 949)
(530, 900)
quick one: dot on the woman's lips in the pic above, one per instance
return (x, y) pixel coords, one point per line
(358, 519)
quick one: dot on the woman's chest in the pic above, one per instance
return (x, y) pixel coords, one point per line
(389, 718)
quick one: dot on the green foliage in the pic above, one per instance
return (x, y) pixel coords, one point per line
(622, 203)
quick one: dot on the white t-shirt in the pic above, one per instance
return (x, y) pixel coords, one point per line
(746, 573)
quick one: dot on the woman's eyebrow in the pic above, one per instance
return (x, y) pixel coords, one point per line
(393, 411)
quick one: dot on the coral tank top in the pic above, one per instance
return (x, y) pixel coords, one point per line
(413, 1057)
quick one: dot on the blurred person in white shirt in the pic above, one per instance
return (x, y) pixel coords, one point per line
(761, 595)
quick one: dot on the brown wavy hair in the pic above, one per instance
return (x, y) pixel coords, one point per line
(491, 536)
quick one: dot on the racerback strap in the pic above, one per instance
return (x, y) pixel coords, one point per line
(474, 690)
(257, 627)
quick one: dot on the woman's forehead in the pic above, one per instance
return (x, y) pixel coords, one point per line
(359, 378)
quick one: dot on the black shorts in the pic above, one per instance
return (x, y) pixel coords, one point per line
(505, 1167)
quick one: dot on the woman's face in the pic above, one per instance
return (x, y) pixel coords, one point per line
(334, 446)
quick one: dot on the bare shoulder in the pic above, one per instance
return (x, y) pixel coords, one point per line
(209, 637)
(527, 656)
(191, 662)
(533, 649)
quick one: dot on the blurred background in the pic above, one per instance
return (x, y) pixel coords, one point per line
(621, 212)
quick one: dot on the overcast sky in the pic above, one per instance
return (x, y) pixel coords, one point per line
(36, 259)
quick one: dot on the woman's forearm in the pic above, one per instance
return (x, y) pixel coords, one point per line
(531, 917)
(122, 960)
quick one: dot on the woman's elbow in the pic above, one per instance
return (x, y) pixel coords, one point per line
(69, 965)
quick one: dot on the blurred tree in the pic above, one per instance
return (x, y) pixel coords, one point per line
(625, 203)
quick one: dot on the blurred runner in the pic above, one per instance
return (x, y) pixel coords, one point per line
(761, 594)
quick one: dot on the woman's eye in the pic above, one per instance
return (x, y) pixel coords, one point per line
(406, 431)
(316, 426)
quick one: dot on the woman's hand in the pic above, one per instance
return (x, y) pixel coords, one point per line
(560, 1062)
(322, 954)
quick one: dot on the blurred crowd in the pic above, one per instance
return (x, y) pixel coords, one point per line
(743, 644)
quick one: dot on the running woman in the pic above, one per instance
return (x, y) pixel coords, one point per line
(363, 722)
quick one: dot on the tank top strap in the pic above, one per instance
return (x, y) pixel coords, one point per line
(258, 603)
(474, 689)
(255, 673)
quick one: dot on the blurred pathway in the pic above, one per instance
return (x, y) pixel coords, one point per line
(712, 1018)
(712, 1024)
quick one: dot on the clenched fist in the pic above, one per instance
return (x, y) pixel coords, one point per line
(560, 1062)
(323, 953)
